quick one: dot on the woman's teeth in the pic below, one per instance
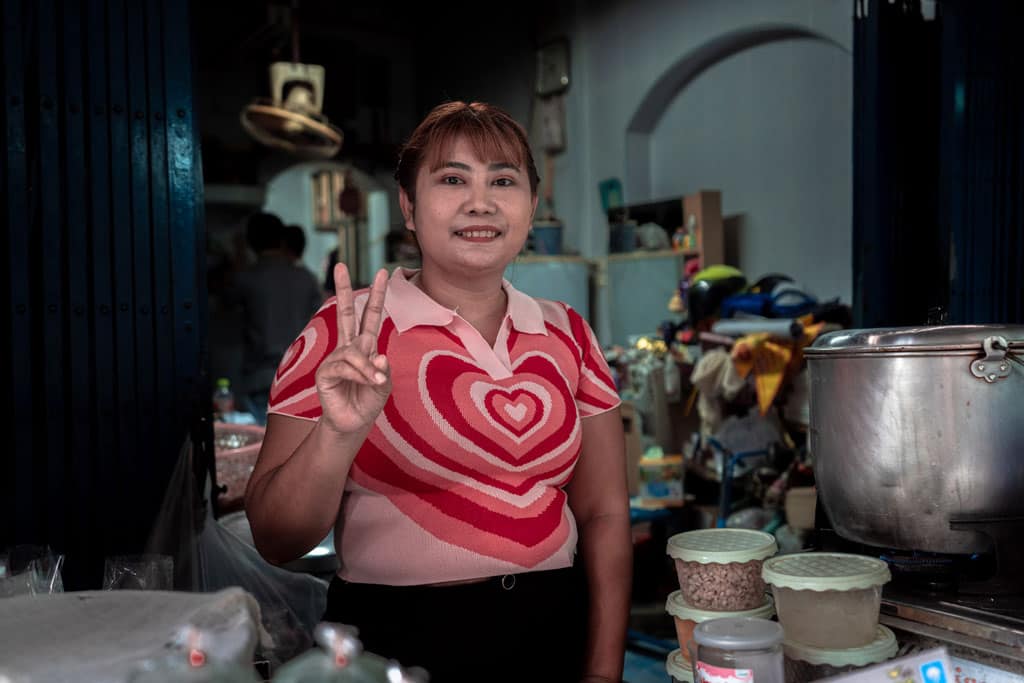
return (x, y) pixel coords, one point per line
(477, 233)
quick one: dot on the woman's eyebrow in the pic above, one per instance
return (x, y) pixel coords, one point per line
(496, 166)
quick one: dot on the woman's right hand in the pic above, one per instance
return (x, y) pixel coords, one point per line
(353, 381)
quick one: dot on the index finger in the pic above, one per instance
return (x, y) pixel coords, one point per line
(344, 305)
(373, 314)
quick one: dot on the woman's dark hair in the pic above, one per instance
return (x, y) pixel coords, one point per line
(492, 133)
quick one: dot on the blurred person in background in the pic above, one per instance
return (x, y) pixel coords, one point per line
(276, 297)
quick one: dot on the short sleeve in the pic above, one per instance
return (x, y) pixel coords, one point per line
(293, 391)
(596, 391)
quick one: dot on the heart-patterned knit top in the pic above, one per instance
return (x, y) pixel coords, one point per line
(461, 476)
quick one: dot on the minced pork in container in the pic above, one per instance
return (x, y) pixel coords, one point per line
(678, 667)
(805, 663)
(687, 617)
(827, 600)
(720, 569)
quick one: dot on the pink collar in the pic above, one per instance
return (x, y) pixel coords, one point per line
(408, 306)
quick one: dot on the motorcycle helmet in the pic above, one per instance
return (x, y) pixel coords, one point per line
(708, 288)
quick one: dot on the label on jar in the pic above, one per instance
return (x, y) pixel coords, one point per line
(706, 673)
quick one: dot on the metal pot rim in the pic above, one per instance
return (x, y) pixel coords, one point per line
(914, 340)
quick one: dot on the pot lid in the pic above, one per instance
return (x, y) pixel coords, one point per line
(909, 339)
(883, 647)
(722, 546)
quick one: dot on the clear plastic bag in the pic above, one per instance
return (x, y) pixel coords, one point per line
(139, 572)
(30, 570)
(340, 658)
(208, 557)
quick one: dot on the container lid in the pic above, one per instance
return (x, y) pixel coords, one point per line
(911, 339)
(825, 572)
(883, 647)
(678, 668)
(677, 607)
(738, 633)
(722, 546)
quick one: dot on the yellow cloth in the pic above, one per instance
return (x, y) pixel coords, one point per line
(770, 358)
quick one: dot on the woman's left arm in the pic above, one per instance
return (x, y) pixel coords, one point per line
(600, 504)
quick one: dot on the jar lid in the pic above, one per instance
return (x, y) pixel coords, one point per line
(825, 572)
(912, 339)
(722, 546)
(738, 633)
(883, 647)
(678, 668)
(677, 607)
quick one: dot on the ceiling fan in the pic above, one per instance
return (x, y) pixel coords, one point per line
(292, 119)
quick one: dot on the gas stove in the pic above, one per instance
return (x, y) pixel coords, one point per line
(984, 635)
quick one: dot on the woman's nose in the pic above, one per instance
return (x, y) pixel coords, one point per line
(480, 199)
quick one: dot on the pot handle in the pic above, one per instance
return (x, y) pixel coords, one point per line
(995, 365)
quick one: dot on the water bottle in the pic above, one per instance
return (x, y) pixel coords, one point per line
(223, 398)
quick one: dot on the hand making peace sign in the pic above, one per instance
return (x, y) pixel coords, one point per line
(353, 381)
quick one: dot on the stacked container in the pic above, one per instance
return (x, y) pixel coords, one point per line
(828, 604)
(719, 572)
(678, 666)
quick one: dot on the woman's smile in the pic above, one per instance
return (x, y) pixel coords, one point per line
(479, 233)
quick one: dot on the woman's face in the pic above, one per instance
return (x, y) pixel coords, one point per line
(470, 216)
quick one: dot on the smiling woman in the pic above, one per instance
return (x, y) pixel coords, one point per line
(460, 437)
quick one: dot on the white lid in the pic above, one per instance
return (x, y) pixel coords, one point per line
(722, 546)
(739, 633)
(825, 572)
(678, 668)
(677, 607)
(883, 647)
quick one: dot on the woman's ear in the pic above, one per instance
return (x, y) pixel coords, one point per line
(406, 205)
(533, 211)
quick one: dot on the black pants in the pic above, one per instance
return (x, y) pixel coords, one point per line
(523, 627)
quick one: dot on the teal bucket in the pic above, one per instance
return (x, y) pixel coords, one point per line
(546, 237)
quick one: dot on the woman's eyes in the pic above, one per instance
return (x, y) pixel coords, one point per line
(456, 180)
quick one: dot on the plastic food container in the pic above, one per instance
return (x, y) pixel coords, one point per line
(739, 650)
(806, 663)
(720, 569)
(678, 666)
(687, 617)
(827, 600)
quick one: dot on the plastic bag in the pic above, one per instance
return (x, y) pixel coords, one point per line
(30, 570)
(208, 557)
(138, 572)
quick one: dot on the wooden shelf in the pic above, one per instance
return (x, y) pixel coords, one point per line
(654, 253)
(549, 258)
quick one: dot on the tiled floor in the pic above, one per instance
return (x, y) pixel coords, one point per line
(644, 668)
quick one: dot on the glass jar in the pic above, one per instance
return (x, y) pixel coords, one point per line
(739, 650)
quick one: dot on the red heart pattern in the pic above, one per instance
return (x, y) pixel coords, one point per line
(480, 453)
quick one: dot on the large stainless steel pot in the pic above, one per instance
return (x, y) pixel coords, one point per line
(915, 430)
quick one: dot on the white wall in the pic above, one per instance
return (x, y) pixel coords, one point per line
(798, 214)
(290, 197)
(771, 127)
